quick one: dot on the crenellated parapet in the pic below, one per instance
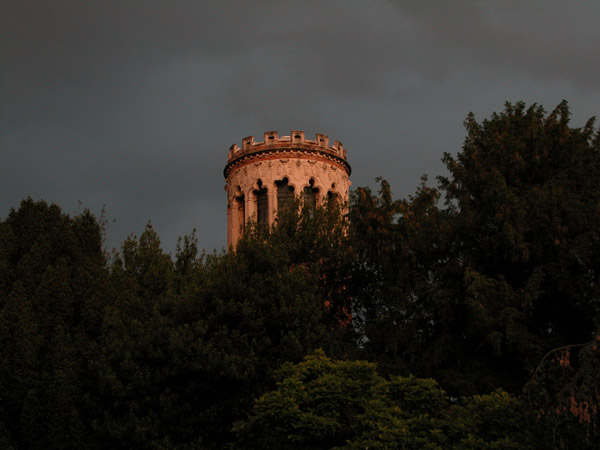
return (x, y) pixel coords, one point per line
(295, 143)
(263, 177)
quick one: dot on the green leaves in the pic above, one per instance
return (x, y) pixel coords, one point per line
(314, 406)
(327, 404)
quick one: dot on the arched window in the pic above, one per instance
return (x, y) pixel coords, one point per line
(240, 204)
(332, 198)
(262, 204)
(285, 194)
(310, 195)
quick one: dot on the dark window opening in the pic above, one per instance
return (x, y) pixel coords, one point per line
(285, 194)
(262, 206)
(332, 198)
(310, 196)
(241, 211)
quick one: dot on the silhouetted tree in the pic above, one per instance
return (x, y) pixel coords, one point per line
(474, 292)
(51, 307)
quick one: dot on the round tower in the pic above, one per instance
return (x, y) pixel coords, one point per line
(263, 177)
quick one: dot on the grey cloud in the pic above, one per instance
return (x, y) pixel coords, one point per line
(549, 39)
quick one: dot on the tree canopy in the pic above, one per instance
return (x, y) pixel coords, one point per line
(481, 286)
(325, 404)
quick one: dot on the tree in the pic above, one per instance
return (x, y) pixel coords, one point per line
(404, 251)
(51, 307)
(188, 345)
(316, 239)
(528, 218)
(326, 404)
(564, 392)
(474, 292)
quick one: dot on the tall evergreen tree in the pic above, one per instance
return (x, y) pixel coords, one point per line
(51, 307)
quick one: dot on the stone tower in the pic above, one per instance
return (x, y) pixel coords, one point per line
(265, 176)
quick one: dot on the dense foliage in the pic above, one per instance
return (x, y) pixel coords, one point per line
(507, 270)
(488, 284)
(325, 404)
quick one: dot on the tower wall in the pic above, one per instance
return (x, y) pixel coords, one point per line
(254, 172)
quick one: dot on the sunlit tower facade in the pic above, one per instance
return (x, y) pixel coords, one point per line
(263, 177)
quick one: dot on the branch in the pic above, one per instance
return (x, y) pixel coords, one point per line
(554, 350)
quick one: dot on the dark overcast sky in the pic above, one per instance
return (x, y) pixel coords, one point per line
(133, 104)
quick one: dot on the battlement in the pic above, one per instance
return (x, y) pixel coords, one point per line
(296, 140)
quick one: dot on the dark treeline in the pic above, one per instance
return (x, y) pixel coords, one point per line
(466, 316)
